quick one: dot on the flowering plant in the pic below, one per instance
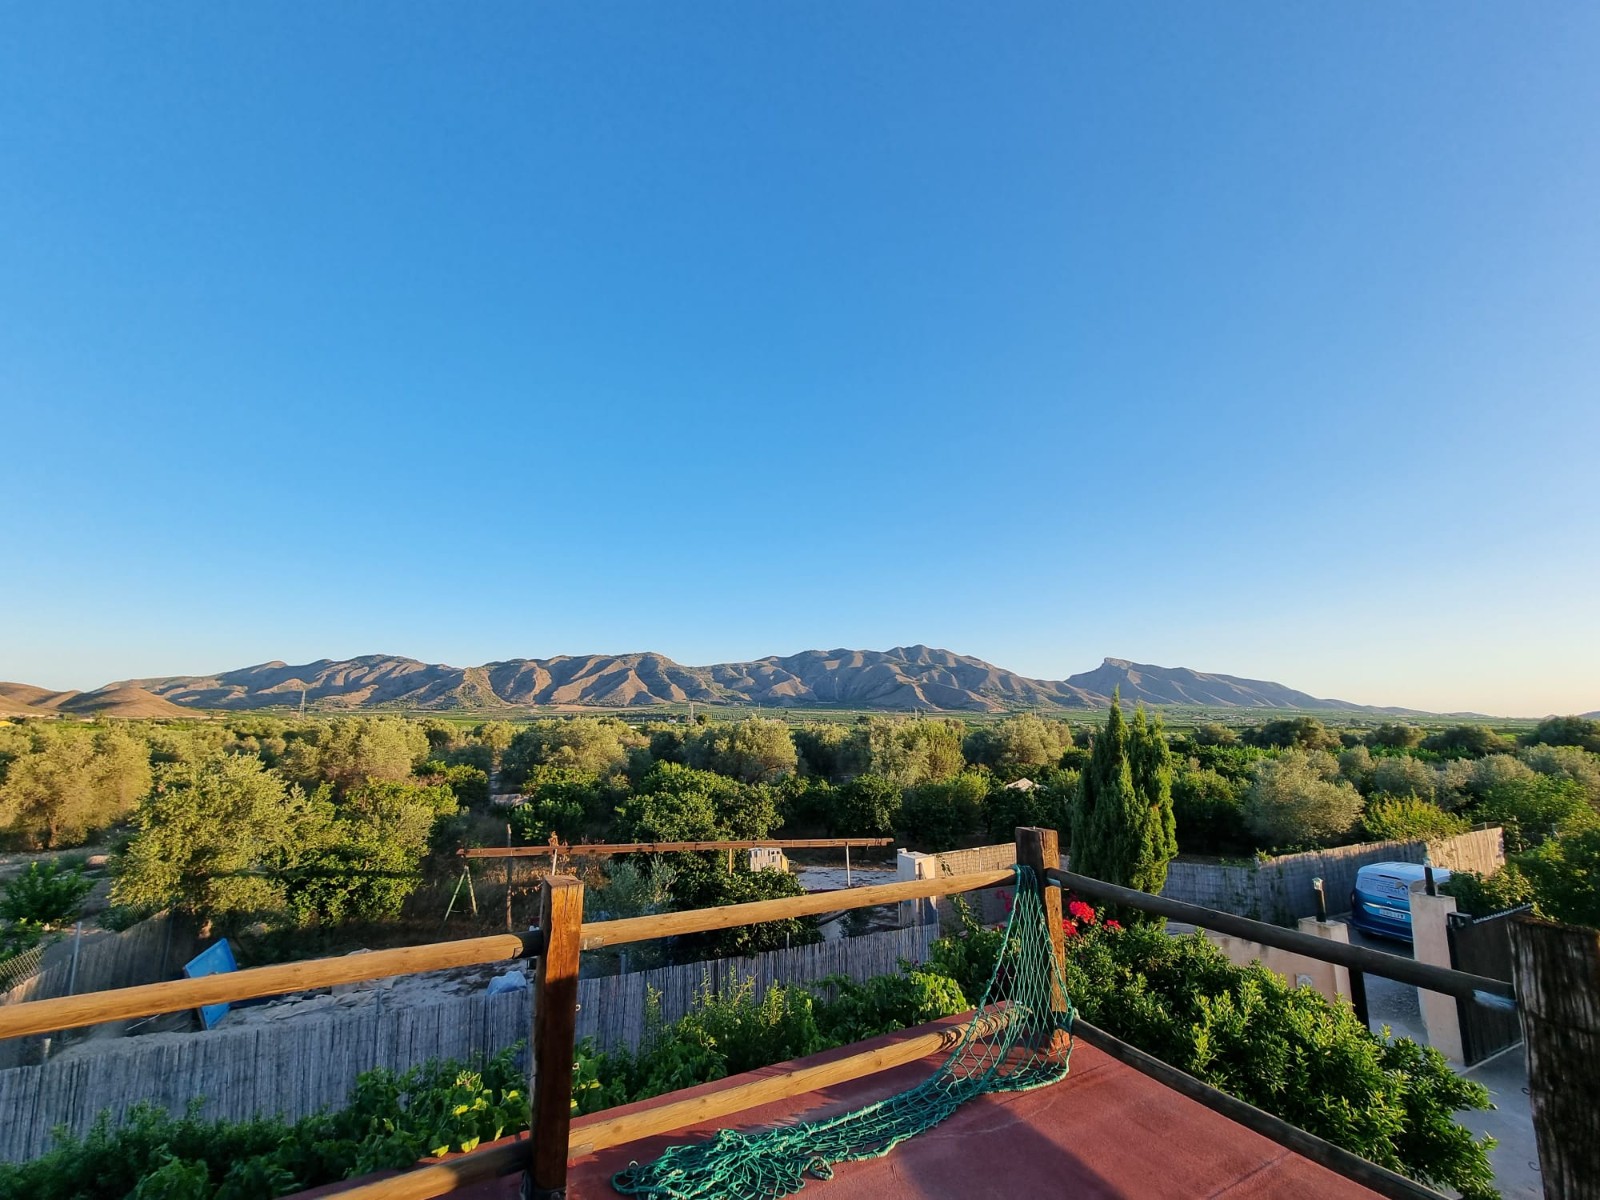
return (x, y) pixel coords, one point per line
(1082, 917)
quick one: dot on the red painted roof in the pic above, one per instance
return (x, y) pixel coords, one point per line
(1107, 1132)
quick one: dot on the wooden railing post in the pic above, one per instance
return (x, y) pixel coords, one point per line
(1040, 850)
(1557, 970)
(555, 1019)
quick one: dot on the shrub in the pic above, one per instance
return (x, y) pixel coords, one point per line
(942, 813)
(392, 1120)
(1284, 1049)
(45, 894)
(722, 1036)
(1293, 800)
(856, 1011)
(1482, 895)
(1209, 814)
(1404, 818)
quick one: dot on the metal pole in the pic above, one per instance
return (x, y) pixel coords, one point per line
(847, 864)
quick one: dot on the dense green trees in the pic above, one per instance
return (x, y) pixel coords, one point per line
(1017, 745)
(597, 745)
(1303, 733)
(941, 814)
(1298, 799)
(751, 751)
(63, 785)
(1582, 732)
(209, 837)
(349, 750)
(227, 837)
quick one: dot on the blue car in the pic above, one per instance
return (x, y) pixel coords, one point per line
(1381, 902)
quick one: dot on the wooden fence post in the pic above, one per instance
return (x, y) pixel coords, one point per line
(1557, 969)
(555, 1016)
(1040, 849)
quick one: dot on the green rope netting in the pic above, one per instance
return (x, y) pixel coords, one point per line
(1019, 1038)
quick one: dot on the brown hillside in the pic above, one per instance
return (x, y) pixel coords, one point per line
(906, 677)
(121, 701)
(25, 700)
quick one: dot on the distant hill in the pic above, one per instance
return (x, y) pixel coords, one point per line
(1142, 683)
(23, 699)
(113, 700)
(904, 678)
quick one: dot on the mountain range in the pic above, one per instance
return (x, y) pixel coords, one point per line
(907, 677)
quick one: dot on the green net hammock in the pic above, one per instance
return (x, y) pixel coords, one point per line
(1019, 1038)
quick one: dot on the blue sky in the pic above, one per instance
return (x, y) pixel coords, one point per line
(1249, 338)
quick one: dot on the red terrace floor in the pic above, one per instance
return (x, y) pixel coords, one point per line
(1106, 1131)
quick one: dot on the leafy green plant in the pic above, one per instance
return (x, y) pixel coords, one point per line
(45, 894)
(853, 1012)
(392, 1120)
(1284, 1049)
(1404, 818)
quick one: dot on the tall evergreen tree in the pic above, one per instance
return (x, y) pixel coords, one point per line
(1122, 823)
(1151, 762)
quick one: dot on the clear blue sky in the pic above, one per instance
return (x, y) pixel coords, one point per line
(1259, 339)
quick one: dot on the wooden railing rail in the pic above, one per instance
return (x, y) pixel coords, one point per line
(90, 1008)
(1481, 988)
(581, 849)
(146, 1000)
(702, 920)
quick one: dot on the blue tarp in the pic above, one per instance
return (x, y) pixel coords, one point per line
(213, 960)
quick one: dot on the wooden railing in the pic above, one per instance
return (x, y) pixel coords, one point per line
(562, 935)
(68, 1012)
(1480, 988)
(606, 849)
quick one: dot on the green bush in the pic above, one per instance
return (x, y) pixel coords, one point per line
(1209, 814)
(1483, 895)
(1406, 818)
(1245, 1031)
(1284, 1049)
(45, 894)
(722, 1036)
(854, 1011)
(392, 1120)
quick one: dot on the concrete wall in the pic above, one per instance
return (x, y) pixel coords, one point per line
(1330, 980)
(1430, 943)
(1279, 890)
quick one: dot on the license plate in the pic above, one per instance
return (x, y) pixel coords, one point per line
(1392, 914)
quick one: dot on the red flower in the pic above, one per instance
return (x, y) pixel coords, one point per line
(1068, 928)
(1113, 925)
(1081, 912)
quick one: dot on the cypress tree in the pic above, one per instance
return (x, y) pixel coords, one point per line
(1122, 823)
(1104, 828)
(1151, 762)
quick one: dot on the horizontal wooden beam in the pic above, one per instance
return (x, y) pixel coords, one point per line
(701, 920)
(1319, 1150)
(118, 1004)
(680, 1114)
(440, 1179)
(603, 849)
(1357, 958)
(591, 1135)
